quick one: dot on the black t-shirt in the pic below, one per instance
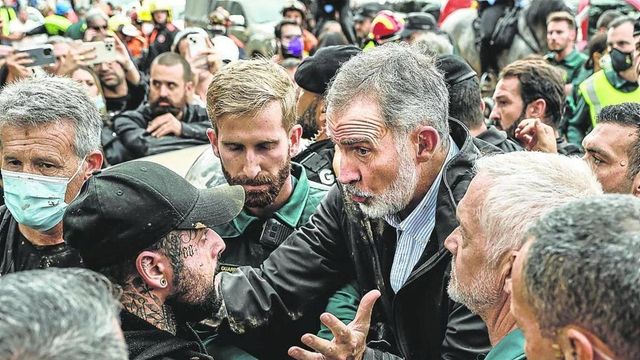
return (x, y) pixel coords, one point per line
(29, 256)
(134, 98)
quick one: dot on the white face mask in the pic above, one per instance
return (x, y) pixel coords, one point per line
(147, 28)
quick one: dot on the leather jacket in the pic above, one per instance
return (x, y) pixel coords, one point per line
(340, 244)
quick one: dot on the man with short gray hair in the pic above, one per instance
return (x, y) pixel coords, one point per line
(575, 282)
(508, 193)
(50, 142)
(70, 314)
(403, 168)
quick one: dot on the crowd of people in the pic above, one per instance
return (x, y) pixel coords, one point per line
(368, 192)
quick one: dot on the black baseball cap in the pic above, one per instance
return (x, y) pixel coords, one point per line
(369, 10)
(418, 21)
(128, 207)
(315, 72)
(455, 69)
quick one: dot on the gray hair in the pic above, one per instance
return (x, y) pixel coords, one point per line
(95, 14)
(583, 268)
(406, 84)
(438, 44)
(522, 186)
(47, 100)
(59, 314)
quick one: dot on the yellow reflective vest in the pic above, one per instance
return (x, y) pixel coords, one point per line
(7, 14)
(56, 24)
(598, 92)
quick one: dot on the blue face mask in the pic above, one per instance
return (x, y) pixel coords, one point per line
(35, 201)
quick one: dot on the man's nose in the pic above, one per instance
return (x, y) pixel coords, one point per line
(348, 172)
(451, 242)
(251, 167)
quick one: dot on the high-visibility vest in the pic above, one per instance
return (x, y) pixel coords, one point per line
(56, 24)
(598, 92)
(7, 14)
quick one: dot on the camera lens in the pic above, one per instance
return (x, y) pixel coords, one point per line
(47, 52)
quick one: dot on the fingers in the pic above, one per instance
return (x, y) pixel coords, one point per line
(301, 354)
(363, 316)
(340, 331)
(325, 347)
(162, 131)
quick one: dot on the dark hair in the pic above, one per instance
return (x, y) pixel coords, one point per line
(464, 102)
(621, 20)
(625, 114)
(582, 269)
(283, 22)
(539, 80)
(607, 17)
(597, 44)
(172, 59)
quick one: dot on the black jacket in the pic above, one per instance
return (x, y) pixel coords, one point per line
(338, 244)
(499, 139)
(37, 257)
(317, 160)
(146, 342)
(131, 129)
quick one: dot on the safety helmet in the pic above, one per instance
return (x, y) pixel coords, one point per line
(386, 26)
(295, 5)
(161, 5)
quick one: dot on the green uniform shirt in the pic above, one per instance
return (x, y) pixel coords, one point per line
(245, 242)
(511, 347)
(571, 64)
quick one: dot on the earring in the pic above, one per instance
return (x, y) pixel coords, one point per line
(163, 282)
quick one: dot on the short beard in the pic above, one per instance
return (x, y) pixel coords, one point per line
(397, 196)
(308, 121)
(511, 130)
(157, 110)
(195, 298)
(479, 296)
(261, 199)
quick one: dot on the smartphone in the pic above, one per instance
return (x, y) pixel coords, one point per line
(41, 55)
(105, 51)
(197, 44)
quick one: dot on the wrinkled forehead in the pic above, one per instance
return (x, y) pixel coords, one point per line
(357, 124)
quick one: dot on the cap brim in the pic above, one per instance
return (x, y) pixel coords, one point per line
(215, 206)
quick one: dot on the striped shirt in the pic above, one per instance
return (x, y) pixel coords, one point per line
(414, 232)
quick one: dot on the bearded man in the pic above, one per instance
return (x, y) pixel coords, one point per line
(252, 106)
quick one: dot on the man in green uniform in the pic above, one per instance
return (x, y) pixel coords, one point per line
(615, 84)
(252, 107)
(561, 40)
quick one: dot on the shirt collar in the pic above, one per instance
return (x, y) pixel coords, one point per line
(414, 223)
(291, 211)
(618, 82)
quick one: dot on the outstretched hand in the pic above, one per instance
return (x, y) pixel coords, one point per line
(349, 341)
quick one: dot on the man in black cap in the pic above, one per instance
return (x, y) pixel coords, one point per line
(416, 23)
(148, 230)
(313, 77)
(362, 20)
(466, 105)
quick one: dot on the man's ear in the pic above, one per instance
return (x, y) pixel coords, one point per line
(155, 270)
(507, 271)
(427, 140)
(575, 344)
(536, 109)
(94, 162)
(213, 139)
(295, 134)
(189, 87)
(636, 185)
(321, 113)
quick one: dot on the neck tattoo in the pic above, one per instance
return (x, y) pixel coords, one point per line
(139, 299)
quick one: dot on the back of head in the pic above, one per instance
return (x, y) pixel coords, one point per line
(43, 101)
(522, 186)
(59, 314)
(539, 80)
(406, 84)
(464, 90)
(607, 17)
(583, 269)
(243, 88)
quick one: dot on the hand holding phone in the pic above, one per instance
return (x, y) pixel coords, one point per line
(197, 44)
(40, 55)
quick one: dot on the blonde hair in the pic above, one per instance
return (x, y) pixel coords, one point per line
(245, 87)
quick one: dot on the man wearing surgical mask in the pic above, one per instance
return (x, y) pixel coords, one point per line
(289, 40)
(50, 144)
(616, 83)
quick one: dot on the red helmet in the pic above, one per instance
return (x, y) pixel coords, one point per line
(386, 26)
